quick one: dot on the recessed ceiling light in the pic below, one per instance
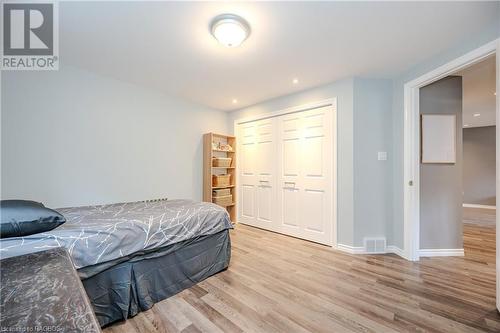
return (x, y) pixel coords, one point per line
(466, 125)
(295, 81)
(230, 30)
(235, 101)
(476, 114)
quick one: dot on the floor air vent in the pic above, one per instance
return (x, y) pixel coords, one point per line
(375, 245)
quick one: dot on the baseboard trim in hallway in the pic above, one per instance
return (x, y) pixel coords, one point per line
(441, 252)
(479, 206)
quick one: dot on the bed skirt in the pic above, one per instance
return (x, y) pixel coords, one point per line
(127, 288)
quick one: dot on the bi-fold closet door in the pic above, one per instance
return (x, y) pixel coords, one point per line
(285, 174)
(257, 173)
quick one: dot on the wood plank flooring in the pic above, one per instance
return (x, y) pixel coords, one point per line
(479, 235)
(282, 284)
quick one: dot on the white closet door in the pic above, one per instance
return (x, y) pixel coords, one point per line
(285, 174)
(266, 174)
(316, 212)
(305, 184)
(290, 171)
(257, 173)
(247, 138)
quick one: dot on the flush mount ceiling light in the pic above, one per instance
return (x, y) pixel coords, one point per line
(230, 30)
(476, 114)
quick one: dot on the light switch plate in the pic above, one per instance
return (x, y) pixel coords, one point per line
(382, 156)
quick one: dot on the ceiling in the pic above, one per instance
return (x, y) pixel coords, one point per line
(167, 45)
(479, 86)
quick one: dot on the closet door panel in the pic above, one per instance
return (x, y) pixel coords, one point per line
(313, 157)
(265, 206)
(247, 204)
(289, 166)
(316, 175)
(258, 173)
(289, 148)
(266, 173)
(291, 153)
(266, 145)
(290, 208)
(265, 159)
(247, 173)
(312, 211)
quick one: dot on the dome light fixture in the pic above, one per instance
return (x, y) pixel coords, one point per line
(230, 30)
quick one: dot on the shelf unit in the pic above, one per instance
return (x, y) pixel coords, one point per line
(209, 170)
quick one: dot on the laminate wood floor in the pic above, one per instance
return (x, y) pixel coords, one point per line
(277, 283)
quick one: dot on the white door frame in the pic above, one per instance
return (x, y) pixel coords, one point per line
(309, 106)
(412, 142)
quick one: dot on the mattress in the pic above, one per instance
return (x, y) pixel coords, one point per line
(102, 236)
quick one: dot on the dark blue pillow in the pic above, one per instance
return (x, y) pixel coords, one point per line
(21, 218)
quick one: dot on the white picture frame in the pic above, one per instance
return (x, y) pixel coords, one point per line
(438, 138)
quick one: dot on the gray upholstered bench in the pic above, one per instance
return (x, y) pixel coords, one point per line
(41, 292)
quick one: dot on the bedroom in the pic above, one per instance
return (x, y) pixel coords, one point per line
(112, 139)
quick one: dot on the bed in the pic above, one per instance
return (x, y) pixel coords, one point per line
(132, 255)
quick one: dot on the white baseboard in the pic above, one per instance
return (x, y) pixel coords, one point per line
(396, 250)
(361, 250)
(441, 252)
(351, 249)
(479, 206)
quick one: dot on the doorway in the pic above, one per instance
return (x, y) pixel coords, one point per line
(457, 197)
(412, 146)
(479, 161)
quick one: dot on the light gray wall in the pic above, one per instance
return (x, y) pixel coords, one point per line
(343, 90)
(441, 184)
(372, 178)
(71, 138)
(469, 43)
(479, 165)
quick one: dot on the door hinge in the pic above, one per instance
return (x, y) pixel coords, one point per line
(410, 183)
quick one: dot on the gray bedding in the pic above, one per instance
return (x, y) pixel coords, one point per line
(96, 235)
(124, 289)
